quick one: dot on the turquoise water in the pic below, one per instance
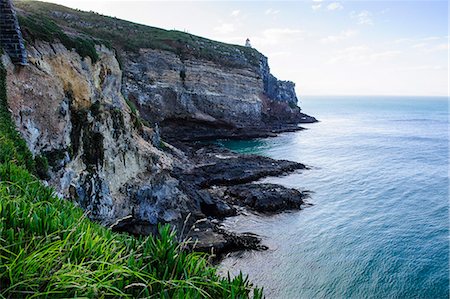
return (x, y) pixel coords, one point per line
(379, 224)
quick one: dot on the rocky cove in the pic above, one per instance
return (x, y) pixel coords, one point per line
(120, 128)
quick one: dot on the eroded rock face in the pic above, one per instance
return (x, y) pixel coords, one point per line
(165, 86)
(73, 112)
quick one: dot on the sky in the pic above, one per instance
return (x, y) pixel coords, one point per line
(325, 47)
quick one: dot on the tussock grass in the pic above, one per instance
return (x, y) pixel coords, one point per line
(50, 249)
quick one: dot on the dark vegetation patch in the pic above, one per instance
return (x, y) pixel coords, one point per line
(118, 123)
(82, 131)
(138, 122)
(78, 118)
(293, 105)
(39, 27)
(132, 106)
(93, 150)
(183, 76)
(95, 109)
(41, 167)
(12, 146)
(54, 157)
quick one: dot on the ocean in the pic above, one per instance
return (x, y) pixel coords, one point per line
(378, 226)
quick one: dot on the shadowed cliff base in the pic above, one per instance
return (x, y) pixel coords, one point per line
(175, 130)
(220, 184)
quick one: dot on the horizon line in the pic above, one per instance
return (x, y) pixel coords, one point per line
(374, 95)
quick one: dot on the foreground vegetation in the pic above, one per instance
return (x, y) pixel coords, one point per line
(48, 248)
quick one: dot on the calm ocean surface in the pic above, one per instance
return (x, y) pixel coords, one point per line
(379, 224)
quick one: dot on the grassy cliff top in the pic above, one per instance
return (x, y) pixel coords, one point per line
(128, 36)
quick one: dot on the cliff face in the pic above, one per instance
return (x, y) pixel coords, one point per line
(184, 91)
(72, 112)
(70, 104)
(166, 87)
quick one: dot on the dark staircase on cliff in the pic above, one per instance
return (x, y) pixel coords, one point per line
(10, 35)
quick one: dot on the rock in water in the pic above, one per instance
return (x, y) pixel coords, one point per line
(266, 197)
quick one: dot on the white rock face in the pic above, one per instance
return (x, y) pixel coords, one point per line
(73, 112)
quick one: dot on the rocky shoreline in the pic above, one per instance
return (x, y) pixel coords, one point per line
(226, 183)
(197, 130)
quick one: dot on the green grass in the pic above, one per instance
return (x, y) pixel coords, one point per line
(50, 249)
(39, 27)
(12, 146)
(128, 36)
(138, 121)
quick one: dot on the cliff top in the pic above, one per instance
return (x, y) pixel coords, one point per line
(81, 30)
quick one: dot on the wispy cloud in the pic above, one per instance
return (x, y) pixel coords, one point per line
(335, 6)
(437, 48)
(418, 40)
(342, 36)
(282, 33)
(235, 13)
(430, 38)
(384, 55)
(279, 54)
(272, 12)
(421, 45)
(363, 55)
(316, 6)
(403, 40)
(278, 36)
(363, 17)
(427, 44)
(422, 68)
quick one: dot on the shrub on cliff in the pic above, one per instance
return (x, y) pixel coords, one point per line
(42, 28)
(50, 249)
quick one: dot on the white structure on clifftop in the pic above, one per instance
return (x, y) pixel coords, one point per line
(247, 43)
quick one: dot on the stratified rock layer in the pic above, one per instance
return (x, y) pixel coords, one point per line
(194, 98)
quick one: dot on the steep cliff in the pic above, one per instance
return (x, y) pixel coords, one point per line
(75, 105)
(210, 99)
